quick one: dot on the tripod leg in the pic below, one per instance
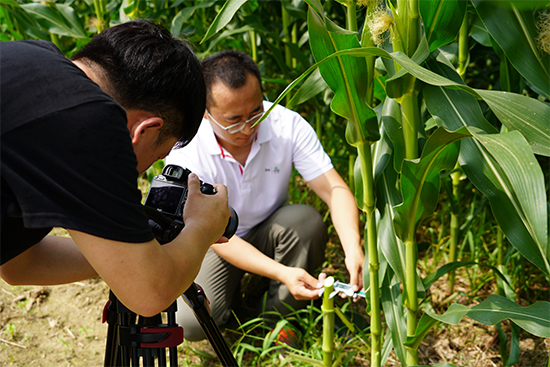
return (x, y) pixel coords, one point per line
(173, 351)
(110, 317)
(124, 350)
(195, 298)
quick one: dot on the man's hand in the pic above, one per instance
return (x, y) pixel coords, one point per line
(211, 212)
(355, 263)
(302, 285)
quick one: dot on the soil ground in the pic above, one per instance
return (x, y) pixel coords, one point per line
(62, 326)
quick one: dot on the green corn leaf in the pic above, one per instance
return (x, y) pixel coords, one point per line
(515, 32)
(357, 52)
(424, 326)
(225, 34)
(442, 20)
(185, 14)
(401, 82)
(387, 348)
(382, 149)
(510, 108)
(479, 33)
(489, 177)
(72, 20)
(420, 180)
(534, 319)
(54, 20)
(311, 87)
(345, 75)
(391, 118)
(387, 197)
(28, 23)
(391, 246)
(524, 4)
(528, 115)
(394, 313)
(224, 16)
(511, 358)
(509, 77)
(520, 214)
(526, 182)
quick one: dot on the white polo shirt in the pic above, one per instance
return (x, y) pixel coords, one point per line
(259, 187)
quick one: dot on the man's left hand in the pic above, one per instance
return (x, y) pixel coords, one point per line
(302, 285)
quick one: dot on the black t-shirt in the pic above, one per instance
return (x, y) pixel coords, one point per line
(66, 155)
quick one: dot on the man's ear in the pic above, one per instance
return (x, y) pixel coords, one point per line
(141, 123)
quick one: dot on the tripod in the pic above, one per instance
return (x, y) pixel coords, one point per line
(132, 338)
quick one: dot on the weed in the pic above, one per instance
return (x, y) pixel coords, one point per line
(22, 305)
(85, 330)
(9, 330)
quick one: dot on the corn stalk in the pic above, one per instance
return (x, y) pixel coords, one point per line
(328, 322)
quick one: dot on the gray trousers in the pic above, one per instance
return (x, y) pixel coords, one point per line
(294, 235)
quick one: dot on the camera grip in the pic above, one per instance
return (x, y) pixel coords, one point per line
(164, 228)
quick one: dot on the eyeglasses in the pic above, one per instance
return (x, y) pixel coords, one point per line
(235, 128)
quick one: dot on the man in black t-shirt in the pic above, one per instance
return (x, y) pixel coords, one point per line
(75, 135)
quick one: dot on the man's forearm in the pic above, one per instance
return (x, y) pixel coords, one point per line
(345, 218)
(54, 260)
(332, 189)
(244, 256)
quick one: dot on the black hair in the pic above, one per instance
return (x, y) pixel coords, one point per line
(229, 67)
(145, 68)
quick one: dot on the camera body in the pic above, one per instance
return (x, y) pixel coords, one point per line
(167, 196)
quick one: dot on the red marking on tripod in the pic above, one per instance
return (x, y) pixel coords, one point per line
(105, 311)
(200, 291)
(174, 336)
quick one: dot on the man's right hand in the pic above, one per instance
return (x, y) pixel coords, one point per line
(209, 212)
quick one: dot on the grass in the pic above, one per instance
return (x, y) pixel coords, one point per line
(254, 341)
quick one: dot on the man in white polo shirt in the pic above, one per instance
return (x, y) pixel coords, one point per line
(284, 243)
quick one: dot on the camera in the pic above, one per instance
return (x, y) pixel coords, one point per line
(166, 199)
